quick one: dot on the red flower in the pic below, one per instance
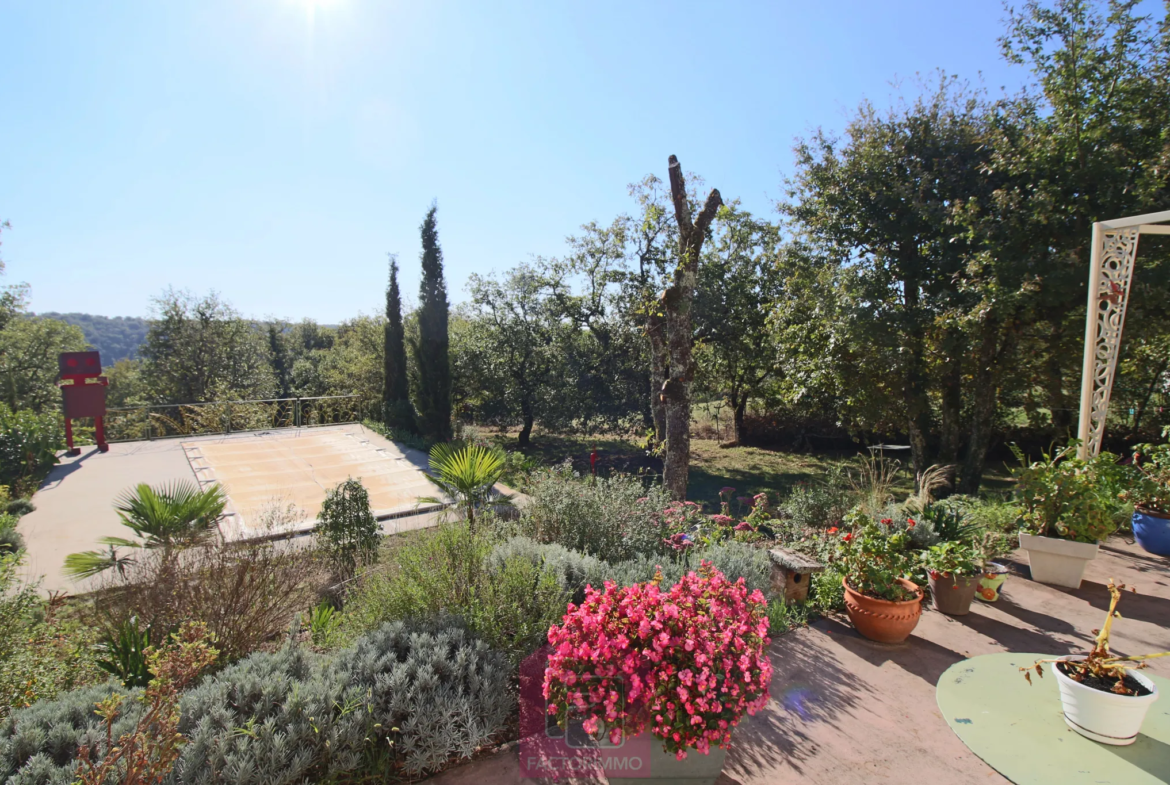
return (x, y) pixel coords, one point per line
(887, 521)
(833, 530)
(848, 537)
(910, 522)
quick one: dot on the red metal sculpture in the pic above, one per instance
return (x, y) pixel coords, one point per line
(84, 390)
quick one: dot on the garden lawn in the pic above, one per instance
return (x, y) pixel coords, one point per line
(750, 470)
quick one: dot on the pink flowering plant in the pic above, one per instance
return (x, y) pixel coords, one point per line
(686, 664)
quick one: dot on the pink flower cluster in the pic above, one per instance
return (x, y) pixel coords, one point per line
(685, 664)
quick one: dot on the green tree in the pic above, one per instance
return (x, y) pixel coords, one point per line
(515, 333)
(433, 394)
(396, 409)
(29, 346)
(348, 533)
(738, 283)
(199, 349)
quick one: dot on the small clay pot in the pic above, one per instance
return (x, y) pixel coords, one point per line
(881, 620)
(953, 594)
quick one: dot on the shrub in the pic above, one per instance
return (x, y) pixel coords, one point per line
(509, 599)
(640, 650)
(872, 558)
(28, 446)
(123, 651)
(401, 698)
(145, 754)
(10, 539)
(573, 570)
(44, 650)
(1061, 496)
(815, 506)
(347, 534)
(611, 518)
(246, 594)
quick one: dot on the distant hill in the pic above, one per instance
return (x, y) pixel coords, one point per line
(116, 337)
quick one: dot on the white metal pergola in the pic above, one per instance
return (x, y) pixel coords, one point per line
(1115, 245)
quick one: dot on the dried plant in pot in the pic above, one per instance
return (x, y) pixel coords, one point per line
(1064, 513)
(882, 604)
(1104, 697)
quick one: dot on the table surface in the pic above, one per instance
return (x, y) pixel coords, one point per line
(1020, 730)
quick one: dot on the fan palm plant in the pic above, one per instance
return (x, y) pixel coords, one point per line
(467, 474)
(172, 516)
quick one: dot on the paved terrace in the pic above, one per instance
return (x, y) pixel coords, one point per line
(74, 506)
(847, 710)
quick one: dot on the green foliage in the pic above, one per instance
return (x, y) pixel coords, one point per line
(405, 438)
(1061, 496)
(169, 517)
(397, 412)
(324, 625)
(29, 346)
(784, 617)
(826, 593)
(466, 474)
(952, 558)
(10, 539)
(201, 349)
(873, 558)
(433, 391)
(815, 505)
(404, 696)
(28, 446)
(348, 535)
(122, 653)
(613, 518)
(44, 649)
(515, 603)
(1148, 479)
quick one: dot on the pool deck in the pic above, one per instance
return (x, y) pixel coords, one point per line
(847, 710)
(74, 505)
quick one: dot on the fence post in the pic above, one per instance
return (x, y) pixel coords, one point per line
(229, 416)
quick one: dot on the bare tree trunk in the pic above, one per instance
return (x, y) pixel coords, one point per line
(526, 411)
(918, 423)
(984, 395)
(677, 301)
(739, 409)
(951, 405)
(659, 362)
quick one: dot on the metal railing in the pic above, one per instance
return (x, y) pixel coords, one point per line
(163, 421)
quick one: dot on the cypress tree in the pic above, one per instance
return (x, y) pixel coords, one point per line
(396, 409)
(434, 373)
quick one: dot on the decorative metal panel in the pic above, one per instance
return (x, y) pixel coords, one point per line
(1115, 277)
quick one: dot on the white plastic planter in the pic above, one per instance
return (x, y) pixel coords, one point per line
(1104, 716)
(1059, 562)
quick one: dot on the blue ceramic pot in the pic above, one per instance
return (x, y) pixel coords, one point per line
(1152, 533)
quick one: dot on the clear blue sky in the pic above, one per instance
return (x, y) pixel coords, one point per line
(276, 150)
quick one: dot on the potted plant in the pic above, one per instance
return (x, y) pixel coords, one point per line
(1148, 490)
(1104, 697)
(1063, 514)
(683, 666)
(954, 572)
(882, 604)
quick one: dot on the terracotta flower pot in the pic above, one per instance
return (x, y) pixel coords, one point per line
(881, 620)
(952, 594)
